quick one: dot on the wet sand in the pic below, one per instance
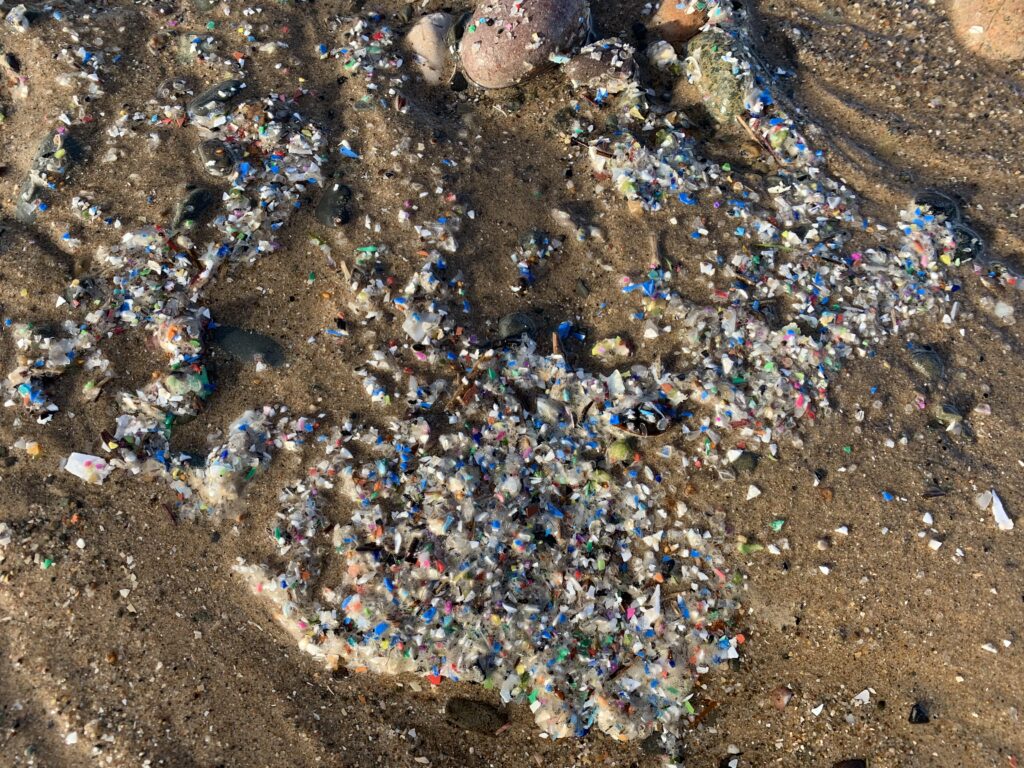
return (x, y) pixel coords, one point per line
(144, 644)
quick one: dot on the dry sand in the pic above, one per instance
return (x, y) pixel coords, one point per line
(143, 643)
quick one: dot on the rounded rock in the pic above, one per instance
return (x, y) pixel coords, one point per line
(509, 41)
(427, 39)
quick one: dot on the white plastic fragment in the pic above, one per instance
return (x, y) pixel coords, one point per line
(91, 469)
(753, 492)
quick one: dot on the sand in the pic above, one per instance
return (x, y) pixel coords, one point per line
(141, 642)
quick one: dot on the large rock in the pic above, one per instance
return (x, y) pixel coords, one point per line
(427, 39)
(991, 28)
(508, 41)
(673, 21)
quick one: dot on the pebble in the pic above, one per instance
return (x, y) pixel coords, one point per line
(855, 762)
(215, 99)
(473, 715)
(247, 346)
(427, 39)
(919, 714)
(781, 696)
(509, 41)
(605, 65)
(746, 462)
(334, 208)
(671, 21)
(217, 158)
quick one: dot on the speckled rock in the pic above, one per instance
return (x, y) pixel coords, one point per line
(508, 41)
(991, 28)
(607, 64)
(427, 39)
(673, 22)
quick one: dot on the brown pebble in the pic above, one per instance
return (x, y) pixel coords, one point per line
(781, 696)
(111, 657)
(826, 494)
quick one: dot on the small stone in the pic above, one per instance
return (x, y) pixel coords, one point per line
(780, 697)
(673, 22)
(509, 41)
(334, 208)
(247, 346)
(216, 99)
(473, 715)
(854, 762)
(111, 657)
(427, 41)
(919, 714)
(515, 325)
